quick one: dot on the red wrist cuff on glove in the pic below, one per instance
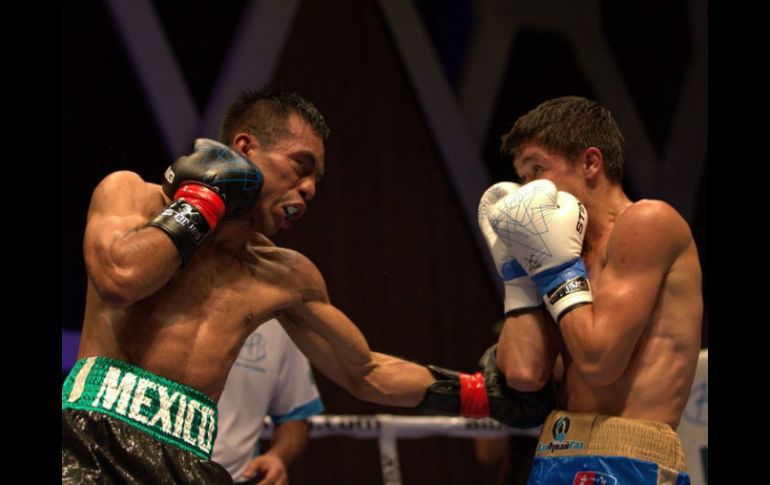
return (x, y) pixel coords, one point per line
(474, 402)
(207, 201)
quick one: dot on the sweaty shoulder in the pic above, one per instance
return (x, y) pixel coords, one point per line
(312, 285)
(650, 227)
(291, 268)
(122, 179)
(305, 265)
(127, 190)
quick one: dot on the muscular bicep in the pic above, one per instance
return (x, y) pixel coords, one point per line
(113, 251)
(113, 212)
(622, 307)
(645, 242)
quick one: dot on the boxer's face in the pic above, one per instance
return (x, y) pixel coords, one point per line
(533, 162)
(292, 168)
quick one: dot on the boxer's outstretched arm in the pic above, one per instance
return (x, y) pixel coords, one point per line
(336, 347)
(329, 339)
(125, 260)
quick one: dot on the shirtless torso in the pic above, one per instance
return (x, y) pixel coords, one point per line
(191, 329)
(657, 379)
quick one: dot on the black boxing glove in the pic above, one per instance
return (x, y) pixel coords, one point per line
(485, 394)
(211, 184)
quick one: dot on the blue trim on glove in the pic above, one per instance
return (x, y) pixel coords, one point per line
(554, 277)
(512, 270)
(299, 413)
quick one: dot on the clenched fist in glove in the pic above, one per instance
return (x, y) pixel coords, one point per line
(543, 229)
(485, 394)
(520, 291)
(211, 184)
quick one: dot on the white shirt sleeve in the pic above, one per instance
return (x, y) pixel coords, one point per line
(295, 396)
(270, 375)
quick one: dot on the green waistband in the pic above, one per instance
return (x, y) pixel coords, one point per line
(171, 412)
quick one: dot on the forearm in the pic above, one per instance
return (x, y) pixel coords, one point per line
(599, 358)
(329, 340)
(289, 439)
(336, 347)
(132, 265)
(527, 350)
(395, 382)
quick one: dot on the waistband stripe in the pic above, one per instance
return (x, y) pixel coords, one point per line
(583, 434)
(171, 412)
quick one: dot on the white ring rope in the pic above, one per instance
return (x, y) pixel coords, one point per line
(388, 428)
(409, 427)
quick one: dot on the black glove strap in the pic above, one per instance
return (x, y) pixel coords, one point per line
(508, 406)
(443, 396)
(185, 225)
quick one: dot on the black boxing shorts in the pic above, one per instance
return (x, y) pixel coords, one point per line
(123, 424)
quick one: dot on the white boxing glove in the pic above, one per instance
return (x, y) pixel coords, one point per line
(520, 291)
(544, 229)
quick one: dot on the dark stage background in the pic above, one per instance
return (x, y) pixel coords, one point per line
(417, 95)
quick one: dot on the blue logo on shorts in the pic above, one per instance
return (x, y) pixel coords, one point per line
(560, 442)
(561, 428)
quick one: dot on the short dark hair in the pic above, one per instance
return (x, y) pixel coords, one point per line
(264, 113)
(568, 125)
